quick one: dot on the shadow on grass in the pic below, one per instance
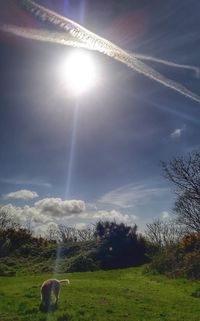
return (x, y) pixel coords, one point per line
(48, 308)
(196, 293)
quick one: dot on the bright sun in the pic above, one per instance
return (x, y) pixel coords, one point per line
(79, 72)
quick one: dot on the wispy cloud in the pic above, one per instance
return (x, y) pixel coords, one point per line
(21, 194)
(177, 133)
(21, 181)
(130, 195)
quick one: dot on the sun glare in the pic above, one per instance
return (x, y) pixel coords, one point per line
(79, 72)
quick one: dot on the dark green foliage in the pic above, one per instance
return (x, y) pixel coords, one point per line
(5, 270)
(192, 265)
(83, 263)
(120, 245)
(64, 317)
(115, 245)
(22, 242)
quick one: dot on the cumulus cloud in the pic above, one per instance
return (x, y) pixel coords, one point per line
(45, 211)
(53, 211)
(111, 215)
(58, 207)
(81, 226)
(44, 228)
(25, 214)
(21, 194)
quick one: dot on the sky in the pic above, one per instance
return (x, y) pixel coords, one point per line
(76, 160)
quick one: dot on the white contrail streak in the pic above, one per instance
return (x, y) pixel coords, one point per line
(168, 63)
(83, 38)
(44, 36)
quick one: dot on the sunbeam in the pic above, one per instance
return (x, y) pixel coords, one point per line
(72, 150)
(87, 39)
(69, 173)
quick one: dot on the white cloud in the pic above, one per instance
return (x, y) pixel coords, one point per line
(58, 207)
(176, 133)
(45, 211)
(111, 216)
(165, 214)
(22, 194)
(81, 226)
(42, 230)
(22, 181)
(25, 214)
(56, 211)
(131, 195)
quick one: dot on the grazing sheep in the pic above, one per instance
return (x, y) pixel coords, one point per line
(51, 286)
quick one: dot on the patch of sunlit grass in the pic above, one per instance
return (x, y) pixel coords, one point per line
(102, 296)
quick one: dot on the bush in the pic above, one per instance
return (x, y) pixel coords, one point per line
(6, 271)
(181, 260)
(83, 263)
(192, 265)
(120, 246)
(191, 242)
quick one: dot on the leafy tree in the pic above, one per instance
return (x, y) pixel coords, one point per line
(120, 245)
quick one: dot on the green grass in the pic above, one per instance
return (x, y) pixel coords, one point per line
(118, 295)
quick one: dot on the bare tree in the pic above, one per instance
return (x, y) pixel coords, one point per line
(184, 173)
(188, 210)
(164, 233)
(52, 233)
(86, 234)
(7, 221)
(67, 234)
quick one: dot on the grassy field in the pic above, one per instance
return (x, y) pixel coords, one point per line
(116, 295)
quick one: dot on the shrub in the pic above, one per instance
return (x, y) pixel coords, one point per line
(191, 242)
(192, 265)
(82, 263)
(181, 260)
(120, 245)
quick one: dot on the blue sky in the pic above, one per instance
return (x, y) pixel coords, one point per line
(79, 160)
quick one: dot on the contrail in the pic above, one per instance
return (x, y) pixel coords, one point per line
(44, 36)
(68, 40)
(168, 63)
(83, 38)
